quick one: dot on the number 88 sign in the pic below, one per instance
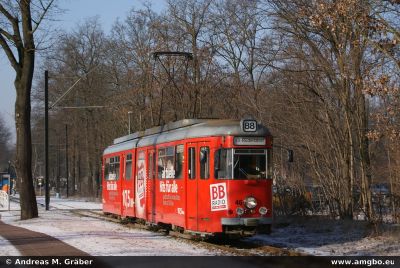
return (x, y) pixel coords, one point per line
(249, 125)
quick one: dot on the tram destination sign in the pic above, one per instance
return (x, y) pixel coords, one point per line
(249, 141)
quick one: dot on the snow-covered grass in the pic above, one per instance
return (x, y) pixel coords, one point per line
(322, 236)
(7, 249)
(96, 236)
(310, 235)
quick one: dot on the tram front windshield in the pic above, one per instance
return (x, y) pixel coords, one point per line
(241, 164)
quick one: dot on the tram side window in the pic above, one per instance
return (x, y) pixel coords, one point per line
(160, 162)
(128, 167)
(178, 161)
(192, 163)
(112, 168)
(166, 163)
(116, 167)
(204, 162)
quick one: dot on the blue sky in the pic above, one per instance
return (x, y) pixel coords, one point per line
(76, 11)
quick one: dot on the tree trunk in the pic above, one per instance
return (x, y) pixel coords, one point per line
(364, 152)
(350, 169)
(23, 85)
(24, 144)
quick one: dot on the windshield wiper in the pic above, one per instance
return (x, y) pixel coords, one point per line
(244, 172)
(237, 162)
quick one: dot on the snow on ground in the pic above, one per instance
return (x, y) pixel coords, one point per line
(96, 236)
(314, 236)
(324, 237)
(7, 249)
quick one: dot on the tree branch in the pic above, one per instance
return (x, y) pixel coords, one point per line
(7, 35)
(45, 10)
(15, 38)
(9, 53)
(6, 13)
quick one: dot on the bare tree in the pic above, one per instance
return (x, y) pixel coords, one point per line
(81, 55)
(190, 18)
(383, 89)
(240, 39)
(131, 64)
(328, 41)
(19, 21)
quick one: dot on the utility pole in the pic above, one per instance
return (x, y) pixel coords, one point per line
(46, 137)
(58, 165)
(66, 158)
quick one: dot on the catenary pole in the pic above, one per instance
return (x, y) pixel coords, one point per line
(66, 158)
(46, 137)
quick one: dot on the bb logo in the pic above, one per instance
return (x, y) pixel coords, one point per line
(218, 195)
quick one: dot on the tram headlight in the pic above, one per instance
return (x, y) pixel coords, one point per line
(263, 210)
(239, 211)
(250, 202)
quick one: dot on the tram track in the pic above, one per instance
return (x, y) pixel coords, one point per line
(235, 247)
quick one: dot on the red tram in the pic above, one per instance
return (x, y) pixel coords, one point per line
(203, 177)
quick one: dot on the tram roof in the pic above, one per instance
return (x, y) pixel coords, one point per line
(183, 129)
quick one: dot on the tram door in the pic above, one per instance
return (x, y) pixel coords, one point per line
(128, 186)
(140, 185)
(198, 192)
(151, 185)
